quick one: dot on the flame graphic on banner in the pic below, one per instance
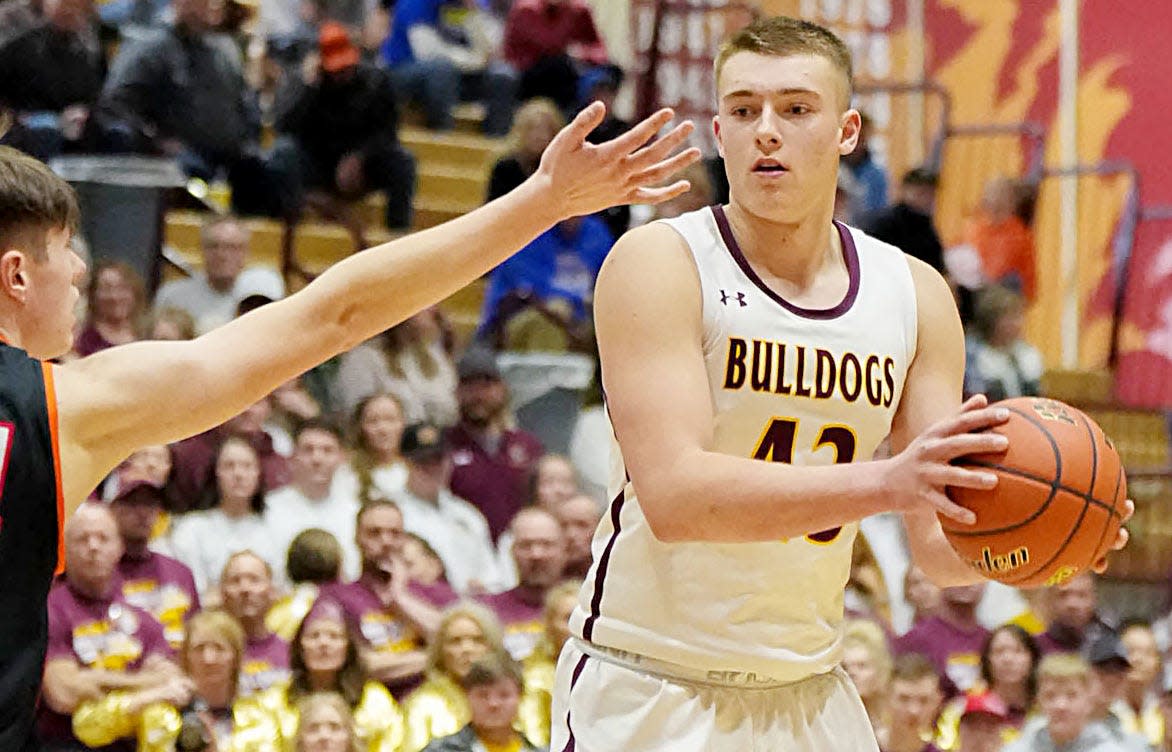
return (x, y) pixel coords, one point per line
(991, 51)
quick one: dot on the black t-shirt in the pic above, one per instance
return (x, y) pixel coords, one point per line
(29, 538)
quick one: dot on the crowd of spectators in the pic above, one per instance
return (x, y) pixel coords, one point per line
(378, 555)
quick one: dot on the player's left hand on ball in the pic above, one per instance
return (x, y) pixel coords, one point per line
(584, 178)
(1120, 539)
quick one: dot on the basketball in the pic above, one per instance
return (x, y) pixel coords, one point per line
(1058, 503)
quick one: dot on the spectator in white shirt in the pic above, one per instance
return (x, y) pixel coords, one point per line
(312, 499)
(376, 469)
(455, 529)
(207, 539)
(211, 295)
(409, 361)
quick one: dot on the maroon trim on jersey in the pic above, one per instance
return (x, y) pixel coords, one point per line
(581, 664)
(616, 508)
(850, 255)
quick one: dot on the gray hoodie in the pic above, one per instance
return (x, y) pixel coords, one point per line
(1094, 738)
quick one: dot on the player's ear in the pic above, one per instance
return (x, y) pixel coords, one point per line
(14, 274)
(848, 131)
(716, 133)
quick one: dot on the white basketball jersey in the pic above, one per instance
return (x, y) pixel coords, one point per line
(787, 384)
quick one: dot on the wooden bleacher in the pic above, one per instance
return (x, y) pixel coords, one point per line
(1142, 439)
(453, 171)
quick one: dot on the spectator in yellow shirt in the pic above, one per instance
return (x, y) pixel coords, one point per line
(323, 656)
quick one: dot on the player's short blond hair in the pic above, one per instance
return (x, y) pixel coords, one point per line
(1060, 666)
(781, 36)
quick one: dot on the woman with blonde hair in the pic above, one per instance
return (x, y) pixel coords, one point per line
(867, 659)
(439, 707)
(534, 125)
(326, 725)
(323, 657)
(206, 711)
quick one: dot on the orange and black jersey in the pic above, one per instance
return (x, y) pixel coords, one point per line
(31, 515)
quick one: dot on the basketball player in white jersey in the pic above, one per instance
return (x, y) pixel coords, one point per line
(763, 330)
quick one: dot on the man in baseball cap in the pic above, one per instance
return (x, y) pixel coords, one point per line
(982, 722)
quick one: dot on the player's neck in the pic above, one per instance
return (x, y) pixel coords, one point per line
(792, 252)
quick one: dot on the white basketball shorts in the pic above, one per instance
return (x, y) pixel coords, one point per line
(604, 704)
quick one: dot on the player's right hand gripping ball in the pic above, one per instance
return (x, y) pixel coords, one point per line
(1058, 503)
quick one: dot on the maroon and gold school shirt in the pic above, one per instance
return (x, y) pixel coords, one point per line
(164, 587)
(99, 633)
(374, 624)
(521, 611)
(266, 663)
(953, 650)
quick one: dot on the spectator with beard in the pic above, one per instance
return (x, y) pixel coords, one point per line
(539, 554)
(1073, 623)
(394, 617)
(246, 587)
(161, 586)
(952, 639)
(341, 125)
(51, 71)
(492, 460)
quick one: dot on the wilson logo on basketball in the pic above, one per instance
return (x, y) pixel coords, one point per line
(992, 563)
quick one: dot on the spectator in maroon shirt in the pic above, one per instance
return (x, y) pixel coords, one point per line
(1073, 621)
(195, 458)
(915, 699)
(98, 642)
(117, 305)
(579, 516)
(160, 585)
(539, 553)
(394, 617)
(493, 463)
(952, 639)
(546, 41)
(246, 586)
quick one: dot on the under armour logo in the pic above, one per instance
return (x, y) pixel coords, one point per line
(739, 297)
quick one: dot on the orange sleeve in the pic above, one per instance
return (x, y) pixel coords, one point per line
(54, 440)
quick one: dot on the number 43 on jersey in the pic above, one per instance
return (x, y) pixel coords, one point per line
(777, 445)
